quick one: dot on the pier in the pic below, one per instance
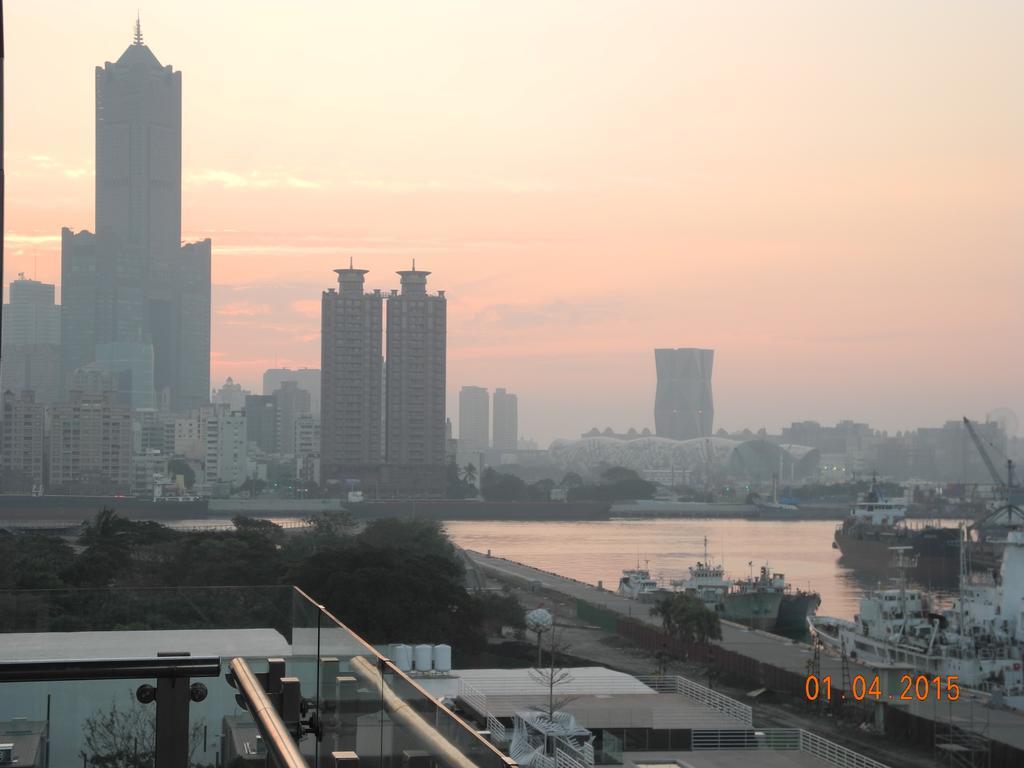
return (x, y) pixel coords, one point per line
(764, 660)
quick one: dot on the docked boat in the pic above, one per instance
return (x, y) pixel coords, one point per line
(795, 607)
(876, 524)
(752, 605)
(636, 583)
(980, 638)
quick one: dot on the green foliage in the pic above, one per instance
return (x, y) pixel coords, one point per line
(457, 485)
(501, 609)
(685, 617)
(33, 561)
(617, 484)
(397, 579)
(387, 593)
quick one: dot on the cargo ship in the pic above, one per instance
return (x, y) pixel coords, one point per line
(753, 605)
(795, 606)
(876, 524)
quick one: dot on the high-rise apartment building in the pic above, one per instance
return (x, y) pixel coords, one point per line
(31, 341)
(416, 349)
(133, 281)
(307, 379)
(683, 405)
(351, 384)
(91, 445)
(474, 419)
(226, 458)
(21, 442)
(506, 420)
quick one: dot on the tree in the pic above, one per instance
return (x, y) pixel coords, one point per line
(126, 737)
(500, 609)
(469, 474)
(686, 618)
(552, 676)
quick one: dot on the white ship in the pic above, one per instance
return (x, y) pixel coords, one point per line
(980, 638)
(636, 582)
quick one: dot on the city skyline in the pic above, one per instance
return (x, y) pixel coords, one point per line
(863, 268)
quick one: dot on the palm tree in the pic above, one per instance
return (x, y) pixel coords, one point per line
(469, 474)
(663, 609)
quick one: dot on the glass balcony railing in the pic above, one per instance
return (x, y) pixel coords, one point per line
(102, 677)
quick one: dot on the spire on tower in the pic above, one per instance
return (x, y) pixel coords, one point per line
(350, 262)
(138, 29)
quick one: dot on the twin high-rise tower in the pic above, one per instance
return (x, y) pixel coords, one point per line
(383, 420)
(131, 290)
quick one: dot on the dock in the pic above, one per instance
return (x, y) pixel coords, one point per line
(783, 664)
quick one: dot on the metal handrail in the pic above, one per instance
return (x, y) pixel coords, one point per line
(273, 730)
(108, 669)
(402, 713)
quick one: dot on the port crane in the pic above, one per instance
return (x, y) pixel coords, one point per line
(1005, 514)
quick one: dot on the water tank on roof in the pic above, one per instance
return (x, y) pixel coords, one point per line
(401, 654)
(442, 658)
(422, 658)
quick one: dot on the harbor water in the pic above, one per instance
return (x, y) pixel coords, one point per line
(601, 550)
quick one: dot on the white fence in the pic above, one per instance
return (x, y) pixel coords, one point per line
(834, 754)
(709, 698)
(473, 697)
(499, 734)
(784, 739)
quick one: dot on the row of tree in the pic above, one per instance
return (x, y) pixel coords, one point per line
(392, 580)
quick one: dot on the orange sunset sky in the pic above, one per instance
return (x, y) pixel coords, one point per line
(829, 194)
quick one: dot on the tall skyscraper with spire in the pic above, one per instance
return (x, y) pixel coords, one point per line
(133, 282)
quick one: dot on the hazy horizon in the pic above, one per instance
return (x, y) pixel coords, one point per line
(829, 196)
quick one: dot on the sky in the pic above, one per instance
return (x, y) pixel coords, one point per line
(830, 195)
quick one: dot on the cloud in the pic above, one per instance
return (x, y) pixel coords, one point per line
(13, 237)
(307, 307)
(250, 180)
(47, 163)
(243, 309)
(559, 313)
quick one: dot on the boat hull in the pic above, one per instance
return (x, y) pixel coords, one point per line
(759, 610)
(794, 611)
(935, 552)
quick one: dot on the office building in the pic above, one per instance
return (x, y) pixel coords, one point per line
(226, 443)
(474, 415)
(21, 442)
(683, 405)
(32, 316)
(290, 402)
(130, 364)
(31, 341)
(91, 445)
(351, 382)
(133, 281)
(416, 349)
(261, 422)
(506, 420)
(307, 379)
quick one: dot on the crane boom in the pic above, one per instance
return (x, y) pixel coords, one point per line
(984, 455)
